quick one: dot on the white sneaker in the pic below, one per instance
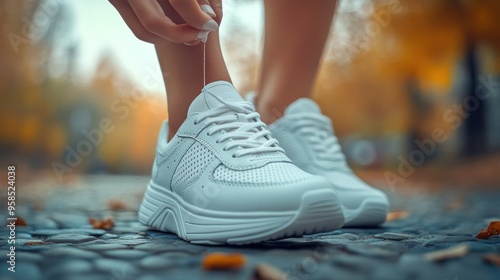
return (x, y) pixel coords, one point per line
(308, 138)
(223, 179)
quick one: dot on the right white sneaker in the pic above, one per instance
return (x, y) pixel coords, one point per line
(223, 179)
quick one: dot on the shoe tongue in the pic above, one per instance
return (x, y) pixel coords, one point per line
(206, 100)
(303, 105)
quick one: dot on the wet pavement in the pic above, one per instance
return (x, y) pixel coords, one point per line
(59, 243)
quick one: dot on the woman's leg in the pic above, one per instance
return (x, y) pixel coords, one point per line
(182, 68)
(295, 35)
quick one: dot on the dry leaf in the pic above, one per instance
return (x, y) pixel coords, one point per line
(216, 261)
(34, 243)
(454, 252)
(117, 205)
(267, 272)
(483, 234)
(494, 259)
(106, 223)
(20, 222)
(492, 230)
(396, 215)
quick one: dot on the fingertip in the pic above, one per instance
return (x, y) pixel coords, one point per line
(207, 9)
(192, 43)
(210, 25)
(203, 36)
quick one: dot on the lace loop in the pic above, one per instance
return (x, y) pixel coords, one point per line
(318, 131)
(240, 127)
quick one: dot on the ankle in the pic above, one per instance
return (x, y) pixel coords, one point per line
(269, 110)
(172, 130)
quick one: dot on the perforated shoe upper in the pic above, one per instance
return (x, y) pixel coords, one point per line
(224, 158)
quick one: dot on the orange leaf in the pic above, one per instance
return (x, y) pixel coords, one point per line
(34, 243)
(21, 222)
(392, 216)
(483, 234)
(492, 230)
(215, 261)
(106, 223)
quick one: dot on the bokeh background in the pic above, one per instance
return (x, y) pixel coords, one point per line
(412, 87)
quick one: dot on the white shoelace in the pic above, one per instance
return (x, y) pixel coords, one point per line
(317, 130)
(242, 129)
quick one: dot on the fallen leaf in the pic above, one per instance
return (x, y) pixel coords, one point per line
(34, 243)
(396, 215)
(267, 272)
(494, 259)
(106, 223)
(117, 205)
(494, 227)
(454, 252)
(222, 261)
(21, 222)
(492, 230)
(483, 234)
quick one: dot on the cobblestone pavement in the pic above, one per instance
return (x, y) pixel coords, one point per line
(59, 243)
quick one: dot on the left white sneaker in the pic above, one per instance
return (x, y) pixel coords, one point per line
(308, 138)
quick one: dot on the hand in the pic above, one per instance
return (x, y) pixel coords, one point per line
(153, 21)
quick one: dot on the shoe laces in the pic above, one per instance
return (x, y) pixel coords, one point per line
(240, 127)
(317, 130)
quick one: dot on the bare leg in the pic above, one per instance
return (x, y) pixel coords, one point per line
(182, 68)
(295, 35)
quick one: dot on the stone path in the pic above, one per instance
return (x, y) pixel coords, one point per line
(59, 243)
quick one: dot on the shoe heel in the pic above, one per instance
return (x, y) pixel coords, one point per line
(159, 212)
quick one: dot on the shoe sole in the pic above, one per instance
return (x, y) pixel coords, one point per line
(371, 212)
(319, 211)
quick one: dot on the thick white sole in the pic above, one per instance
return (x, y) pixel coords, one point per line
(371, 212)
(320, 211)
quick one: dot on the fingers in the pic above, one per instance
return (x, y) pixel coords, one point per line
(192, 13)
(134, 23)
(205, 6)
(154, 20)
(216, 5)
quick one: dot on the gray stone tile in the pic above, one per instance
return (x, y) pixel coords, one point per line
(129, 254)
(73, 266)
(104, 247)
(154, 247)
(48, 232)
(108, 236)
(24, 270)
(128, 242)
(394, 236)
(64, 252)
(72, 238)
(391, 246)
(23, 242)
(28, 256)
(115, 267)
(23, 235)
(368, 250)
